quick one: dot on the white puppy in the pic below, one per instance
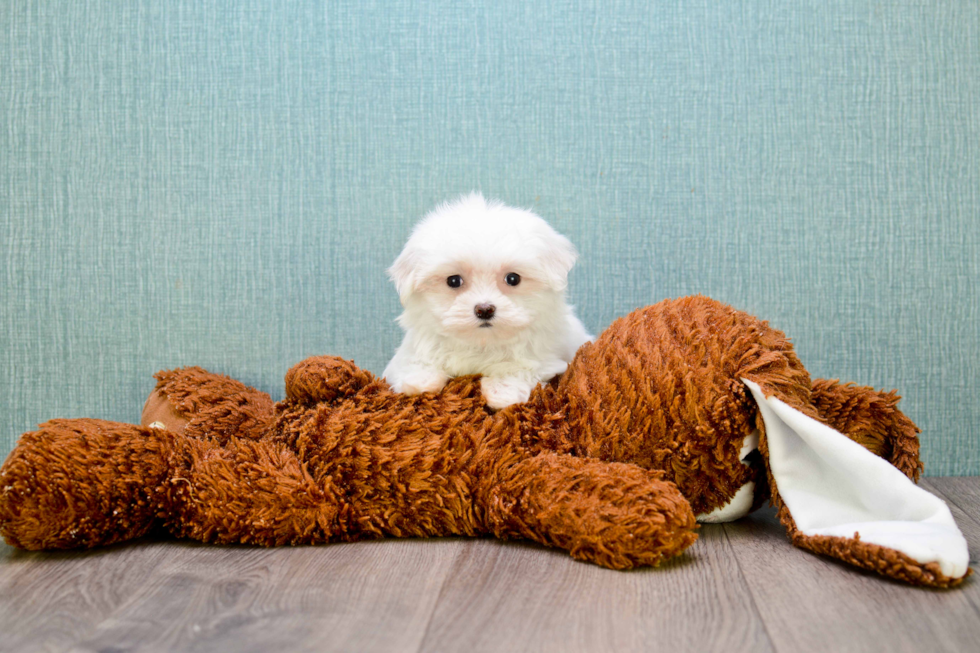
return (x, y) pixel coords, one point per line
(483, 287)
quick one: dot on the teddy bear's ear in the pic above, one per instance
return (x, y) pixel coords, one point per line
(839, 499)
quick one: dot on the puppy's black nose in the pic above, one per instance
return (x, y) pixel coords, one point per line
(484, 311)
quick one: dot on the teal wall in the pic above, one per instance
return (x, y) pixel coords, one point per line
(224, 184)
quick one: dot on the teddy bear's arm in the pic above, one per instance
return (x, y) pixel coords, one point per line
(325, 378)
(249, 492)
(616, 515)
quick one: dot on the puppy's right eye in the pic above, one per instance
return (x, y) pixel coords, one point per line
(454, 281)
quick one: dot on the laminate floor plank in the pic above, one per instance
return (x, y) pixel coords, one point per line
(963, 491)
(365, 596)
(741, 587)
(511, 597)
(49, 600)
(813, 603)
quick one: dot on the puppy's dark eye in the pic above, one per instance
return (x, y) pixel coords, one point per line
(512, 279)
(454, 281)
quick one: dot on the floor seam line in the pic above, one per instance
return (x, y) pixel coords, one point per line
(438, 601)
(748, 587)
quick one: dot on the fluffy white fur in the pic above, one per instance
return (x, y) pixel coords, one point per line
(533, 333)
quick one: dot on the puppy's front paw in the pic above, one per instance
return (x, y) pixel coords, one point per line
(419, 381)
(501, 392)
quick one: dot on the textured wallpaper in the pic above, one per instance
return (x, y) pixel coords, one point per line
(224, 184)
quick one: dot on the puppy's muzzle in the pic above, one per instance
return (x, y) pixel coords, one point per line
(484, 312)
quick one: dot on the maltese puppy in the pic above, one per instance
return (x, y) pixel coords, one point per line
(483, 288)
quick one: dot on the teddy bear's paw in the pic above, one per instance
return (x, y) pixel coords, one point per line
(159, 413)
(501, 392)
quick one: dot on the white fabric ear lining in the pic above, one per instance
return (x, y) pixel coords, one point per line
(835, 487)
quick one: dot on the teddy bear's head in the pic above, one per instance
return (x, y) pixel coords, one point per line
(661, 388)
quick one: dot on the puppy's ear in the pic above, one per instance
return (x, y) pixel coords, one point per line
(404, 272)
(556, 260)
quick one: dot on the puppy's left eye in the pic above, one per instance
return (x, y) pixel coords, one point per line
(512, 279)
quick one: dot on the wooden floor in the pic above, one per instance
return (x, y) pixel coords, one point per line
(741, 587)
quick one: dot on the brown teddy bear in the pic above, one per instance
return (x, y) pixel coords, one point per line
(686, 408)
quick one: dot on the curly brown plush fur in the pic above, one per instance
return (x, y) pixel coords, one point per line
(611, 461)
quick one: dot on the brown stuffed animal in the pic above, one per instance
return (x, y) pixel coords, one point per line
(652, 424)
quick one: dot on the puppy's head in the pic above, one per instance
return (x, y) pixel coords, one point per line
(481, 271)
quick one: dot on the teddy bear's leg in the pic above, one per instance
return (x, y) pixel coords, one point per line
(838, 498)
(249, 492)
(872, 419)
(78, 483)
(617, 515)
(200, 404)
